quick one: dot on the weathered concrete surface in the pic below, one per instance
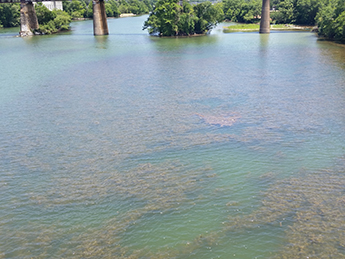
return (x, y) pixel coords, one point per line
(265, 17)
(100, 26)
(28, 19)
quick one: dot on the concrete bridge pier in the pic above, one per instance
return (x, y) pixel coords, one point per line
(100, 26)
(265, 17)
(28, 19)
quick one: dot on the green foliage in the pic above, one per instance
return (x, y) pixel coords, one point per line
(44, 15)
(62, 20)
(123, 6)
(84, 8)
(327, 14)
(164, 18)
(135, 6)
(306, 10)
(339, 27)
(9, 15)
(302, 12)
(75, 8)
(186, 23)
(51, 21)
(114, 9)
(89, 10)
(331, 20)
(207, 16)
(170, 19)
(242, 10)
(150, 4)
(285, 13)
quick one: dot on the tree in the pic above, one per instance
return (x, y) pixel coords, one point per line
(186, 23)
(170, 19)
(114, 8)
(242, 10)
(89, 10)
(44, 15)
(339, 27)
(208, 16)
(123, 6)
(164, 18)
(285, 12)
(232, 9)
(51, 21)
(75, 8)
(331, 20)
(9, 15)
(111, 9)
(305, 11)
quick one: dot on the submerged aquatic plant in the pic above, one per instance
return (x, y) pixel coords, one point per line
(152, 189)
(311, 209)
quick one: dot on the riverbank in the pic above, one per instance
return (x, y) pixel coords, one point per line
(256, 27)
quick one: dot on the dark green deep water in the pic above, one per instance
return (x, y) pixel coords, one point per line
(131, 146)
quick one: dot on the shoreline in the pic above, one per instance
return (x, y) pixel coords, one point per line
(273, 27)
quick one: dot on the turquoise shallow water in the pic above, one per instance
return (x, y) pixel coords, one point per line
(131, 146)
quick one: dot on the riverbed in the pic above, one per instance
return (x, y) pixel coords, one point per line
(132, 146)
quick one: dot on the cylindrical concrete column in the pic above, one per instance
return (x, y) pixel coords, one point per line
(28, 19)
(265, 17)
(100, 26)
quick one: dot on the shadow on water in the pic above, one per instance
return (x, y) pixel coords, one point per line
(173, 43)
(334, 50)
(33, 40)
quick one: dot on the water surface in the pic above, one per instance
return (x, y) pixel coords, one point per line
(131, 146)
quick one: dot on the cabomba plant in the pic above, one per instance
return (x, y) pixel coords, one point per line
(169, 18)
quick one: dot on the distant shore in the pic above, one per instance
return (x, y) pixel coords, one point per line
(256, 27)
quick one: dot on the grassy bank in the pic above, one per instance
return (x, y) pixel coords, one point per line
(256, 27)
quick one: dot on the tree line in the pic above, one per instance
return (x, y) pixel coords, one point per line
(113, 8)
(174, 17)
(328, 15)
(53, 21)
(170, 18)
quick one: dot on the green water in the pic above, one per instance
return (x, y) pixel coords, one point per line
(131, 146)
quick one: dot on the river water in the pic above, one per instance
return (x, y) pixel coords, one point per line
(131, 146)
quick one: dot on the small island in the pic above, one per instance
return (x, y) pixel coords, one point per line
(173, 18)
(249, 27)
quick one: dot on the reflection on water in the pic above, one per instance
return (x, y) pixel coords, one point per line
(130, 146)
(101, 42)
(264, 41)
(183, 42)
(333, 50)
